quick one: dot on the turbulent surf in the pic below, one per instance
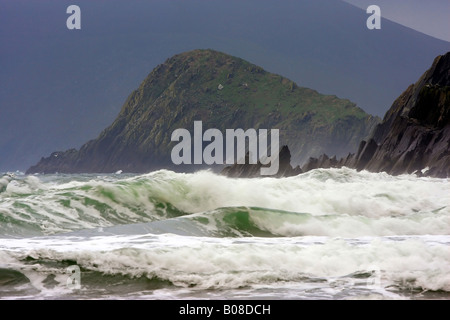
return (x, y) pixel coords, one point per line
(325, 234)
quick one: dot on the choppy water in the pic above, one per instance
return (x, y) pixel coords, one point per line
(326, 234)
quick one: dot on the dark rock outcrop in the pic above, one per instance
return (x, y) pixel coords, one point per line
(254, 170)
(223, 92)
(322, 162)
(414, 136)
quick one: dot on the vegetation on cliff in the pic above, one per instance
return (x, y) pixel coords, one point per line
(414, 136)
(223, 92)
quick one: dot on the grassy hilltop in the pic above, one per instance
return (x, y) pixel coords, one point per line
(225, 92)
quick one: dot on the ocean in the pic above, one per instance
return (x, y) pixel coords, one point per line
(325, 234)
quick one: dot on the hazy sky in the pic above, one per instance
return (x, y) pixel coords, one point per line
(431, 17)
(60, 88)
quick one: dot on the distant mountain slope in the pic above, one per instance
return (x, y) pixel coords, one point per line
(60, 88)
(224, 92)
(415, 133)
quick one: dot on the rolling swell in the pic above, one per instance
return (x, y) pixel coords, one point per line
(263, 222)
(238, 222)
(131, 264)
(164, 234)
(33, 206)
(334, 202)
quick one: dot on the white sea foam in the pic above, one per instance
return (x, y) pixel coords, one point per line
(321, 192)
(211, 263)
(317, 235)
(358, 203)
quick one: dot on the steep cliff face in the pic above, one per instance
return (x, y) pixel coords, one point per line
(414, 135)
(223, 92)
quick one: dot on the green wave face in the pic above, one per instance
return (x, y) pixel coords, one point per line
(244, 221)
(169, 235)
(342, 203)
(48, 205)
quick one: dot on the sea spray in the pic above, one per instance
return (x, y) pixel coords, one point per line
(325, 234)
(336, 200)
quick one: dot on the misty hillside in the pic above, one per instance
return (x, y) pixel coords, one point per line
(223, 92)
(60, 88)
